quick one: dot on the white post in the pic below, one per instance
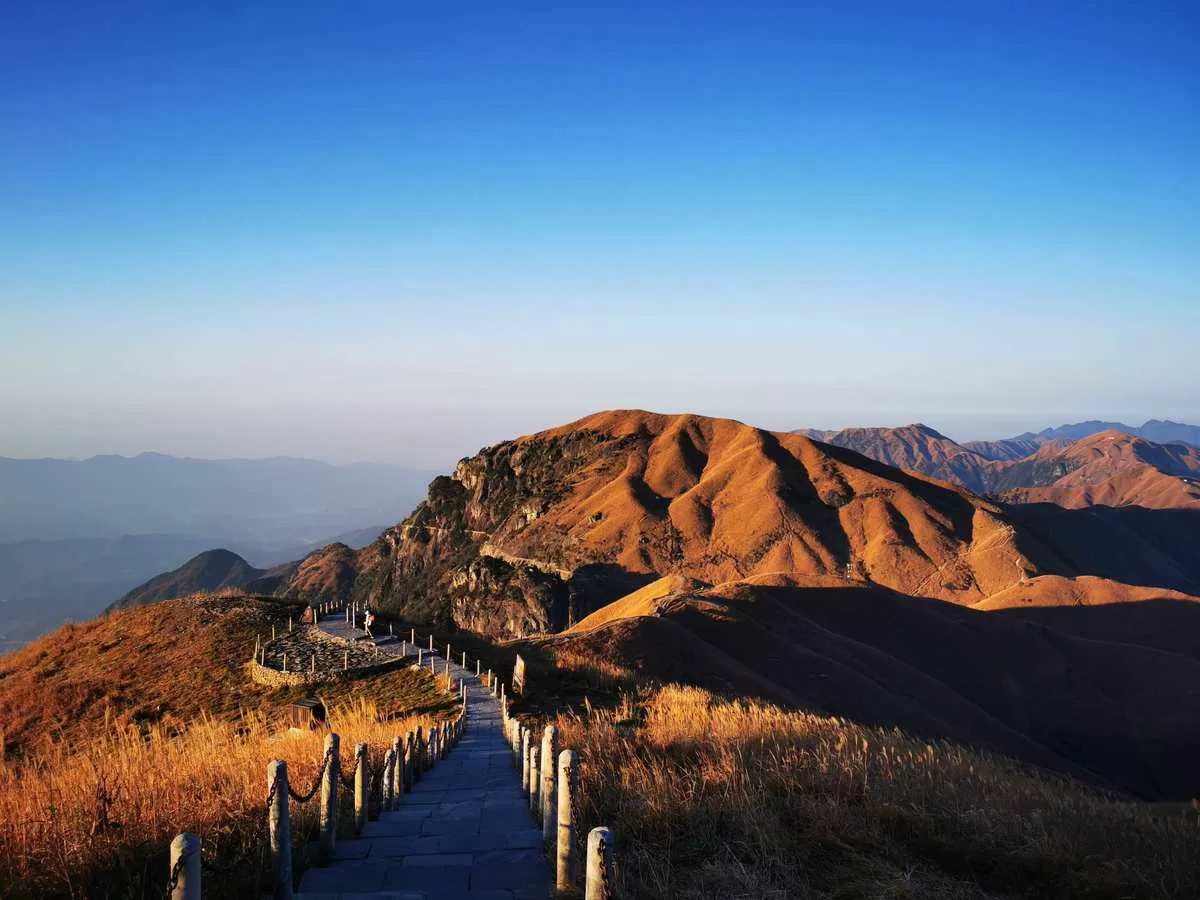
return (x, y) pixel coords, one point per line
(568, 785)
(599, 865)
(399, 772)
(524, 751)
(535, 780)
(345, 660)
(478, 667)
(329, 792)
(418, 754)
(412, 636)
(389, 781)
(185, 854)
(431, 643)
(361, 786)
(549, 809)
(280, 828)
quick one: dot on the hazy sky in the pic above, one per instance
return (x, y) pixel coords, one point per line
(399, 231)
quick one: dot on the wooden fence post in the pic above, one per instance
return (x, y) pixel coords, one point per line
(568, 787)
(598, 885)
(280, 828)
(535, 781)
(361, 787)
(478, 667)
(431, 643)
(549, 794)
(329, 794)
(185, 867)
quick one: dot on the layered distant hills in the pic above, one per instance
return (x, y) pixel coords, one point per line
(1110, 467)
(77, 534)
(1157, 430)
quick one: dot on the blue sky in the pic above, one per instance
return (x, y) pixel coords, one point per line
(399, 231)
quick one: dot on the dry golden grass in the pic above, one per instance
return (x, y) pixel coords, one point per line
(716, 799)
(96, 822)
(123, 731)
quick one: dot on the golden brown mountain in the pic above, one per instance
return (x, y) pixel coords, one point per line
(535, 533)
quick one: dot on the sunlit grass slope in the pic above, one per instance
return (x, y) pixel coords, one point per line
(724, 799)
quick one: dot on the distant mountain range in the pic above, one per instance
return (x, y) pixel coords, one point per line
(1111, 467)
(278, 499)
(1157, 430)
(77, 534)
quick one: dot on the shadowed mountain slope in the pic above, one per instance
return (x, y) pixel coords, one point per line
(1117, 713)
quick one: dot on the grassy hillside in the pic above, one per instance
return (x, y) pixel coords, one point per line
(166, 665)
(124, 731)
(719, 799)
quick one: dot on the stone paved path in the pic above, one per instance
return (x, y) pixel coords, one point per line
(464, 832)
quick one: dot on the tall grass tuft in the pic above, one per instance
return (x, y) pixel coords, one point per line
(95, 821)
(726, 799)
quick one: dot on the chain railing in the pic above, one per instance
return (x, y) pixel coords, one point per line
(556, 799)
(402, 765)
(409, 754)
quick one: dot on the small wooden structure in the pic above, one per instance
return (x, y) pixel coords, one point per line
(308, 714)
(309, 617)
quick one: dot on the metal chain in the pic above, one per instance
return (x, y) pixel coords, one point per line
(304, 798)
(580, 839)
(606, 878)
(176, 871)
(348, 783)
